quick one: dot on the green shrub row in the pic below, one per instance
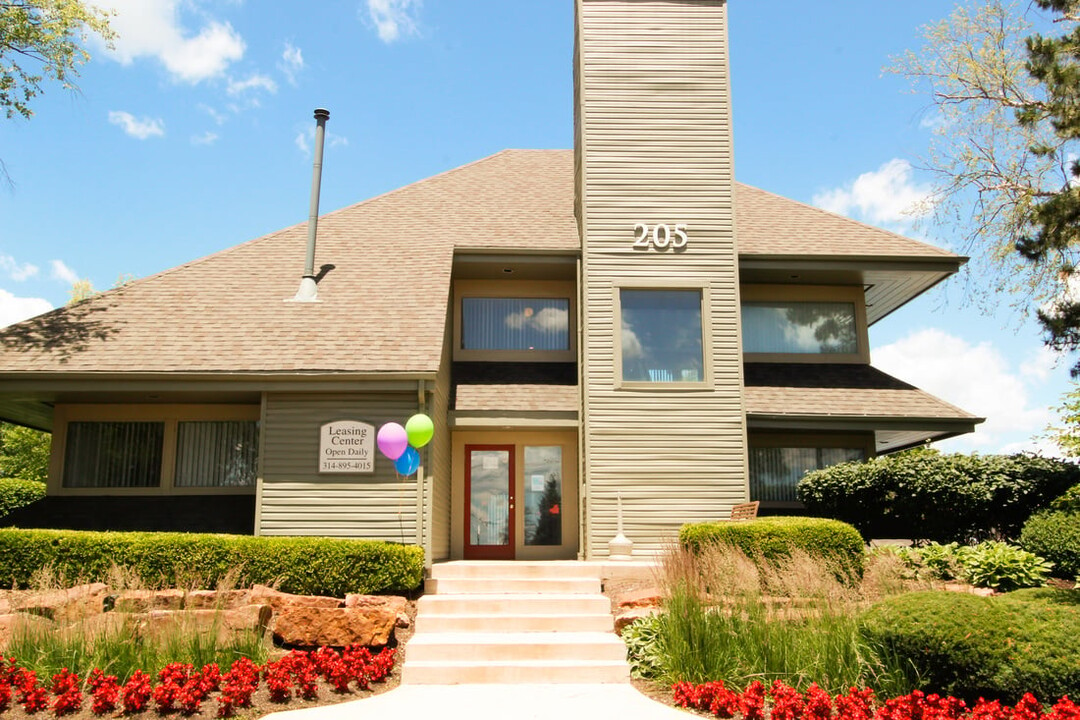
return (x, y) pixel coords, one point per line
(772, 538)
(925, 495)
(968, 646)
(303, 565)
(16, 493)
(1055, 535)
(1069, 502)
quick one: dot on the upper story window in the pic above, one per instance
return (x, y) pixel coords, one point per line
(661, 336)
(507, 321)
(784, 323)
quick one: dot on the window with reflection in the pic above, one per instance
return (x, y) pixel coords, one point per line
(113, 454)
(543, 495)
(775, 471)
(661, 336)
(823, 328)
(524, 324)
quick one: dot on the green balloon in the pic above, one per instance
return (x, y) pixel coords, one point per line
(420, 430)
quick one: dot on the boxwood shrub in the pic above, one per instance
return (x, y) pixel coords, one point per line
(16, 493)
(997, 647)
(837, 543)
(1055, 535)
(303, 565)
(925, 495)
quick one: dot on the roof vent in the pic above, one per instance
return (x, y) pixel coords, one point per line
(309, 291)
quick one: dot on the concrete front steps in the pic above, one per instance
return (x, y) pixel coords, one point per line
(514, 622)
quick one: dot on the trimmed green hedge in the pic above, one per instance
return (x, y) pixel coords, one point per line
(303, 565)
(968, 646)
(925, 495)
(837, 543)
(1056, 537)
(16, 493)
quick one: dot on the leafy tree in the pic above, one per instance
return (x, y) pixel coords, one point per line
(43, 40)
(1066, 434)
(24, 453)
(81, 290)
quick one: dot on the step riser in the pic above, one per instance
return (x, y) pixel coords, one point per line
(524, 605)
(513, 623)
(458, 586)
(494, 570)
(502, 653)
(415, 674)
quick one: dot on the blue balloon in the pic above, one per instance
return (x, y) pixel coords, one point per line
(409, 461)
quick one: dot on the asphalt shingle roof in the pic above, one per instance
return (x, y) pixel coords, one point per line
(225, 313)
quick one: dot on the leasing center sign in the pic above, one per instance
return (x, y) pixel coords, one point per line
(347, 446)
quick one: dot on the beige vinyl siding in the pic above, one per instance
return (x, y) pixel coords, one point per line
(438, 498)
(655, 144)
(296, 500)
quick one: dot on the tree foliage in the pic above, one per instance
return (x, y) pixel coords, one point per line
(24, 452)
(43, 40)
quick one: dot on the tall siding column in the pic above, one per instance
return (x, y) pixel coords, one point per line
(654, 146)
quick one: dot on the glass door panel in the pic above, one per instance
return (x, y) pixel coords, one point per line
(543, 495)
(489, 496)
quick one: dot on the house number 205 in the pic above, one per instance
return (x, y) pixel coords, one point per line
(660, 236)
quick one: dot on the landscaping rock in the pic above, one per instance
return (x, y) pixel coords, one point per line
(217, 600)
(395, 603)
(110, 623)
(229, 623)
(141, 601)
(338, 627)
(631, 615)
(263, 595)
(11, 623)
(645, 597)
(77, 603)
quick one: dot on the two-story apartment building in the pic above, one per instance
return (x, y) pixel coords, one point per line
(621, 324)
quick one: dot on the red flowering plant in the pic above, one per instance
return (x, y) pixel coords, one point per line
(237, 687)
(278, 681)
(104, 691)
(32, 696)
(136, 692)
(67, 694)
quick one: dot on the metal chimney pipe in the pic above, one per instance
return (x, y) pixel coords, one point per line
(308, 291)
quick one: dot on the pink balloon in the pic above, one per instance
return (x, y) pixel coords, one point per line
(392, 440)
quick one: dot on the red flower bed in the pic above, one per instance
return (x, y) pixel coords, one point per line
(782, 702)
(183, 689)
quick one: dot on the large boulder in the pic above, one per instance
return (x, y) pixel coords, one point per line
(70, 605)
(229, 624)
(141, 601)
(217, 599)
(395, 603)
(12, 623)
(629, 616)
(263, 595)
(312, 626)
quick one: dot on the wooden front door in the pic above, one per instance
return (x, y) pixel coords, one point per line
(489, 502)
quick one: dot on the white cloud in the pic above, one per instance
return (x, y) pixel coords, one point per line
(140, 128)
(218, 117)
(253, 82)
(62, 272)
(153, 28)
(393, 18)
(976, 378)
(888, 195)
(16, 271)
(292, 62)
(14, 309)
(305, 139)
(549, 319)
(207, 138)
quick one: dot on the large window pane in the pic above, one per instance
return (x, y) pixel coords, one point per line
(113, 454)
(543, 495)
(799, 327)
(775, 471)
(661, 336)
(216, 454)
(492, 323)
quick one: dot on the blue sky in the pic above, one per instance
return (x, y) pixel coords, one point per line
(194, 134)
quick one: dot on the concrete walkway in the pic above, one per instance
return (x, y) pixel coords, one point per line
(496, 702)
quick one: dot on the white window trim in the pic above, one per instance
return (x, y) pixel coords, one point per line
(706, 382)
(811, 293)
(170, 415)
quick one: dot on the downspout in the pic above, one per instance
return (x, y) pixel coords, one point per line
(308, 291)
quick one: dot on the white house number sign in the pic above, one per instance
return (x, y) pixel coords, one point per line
(660, 237)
